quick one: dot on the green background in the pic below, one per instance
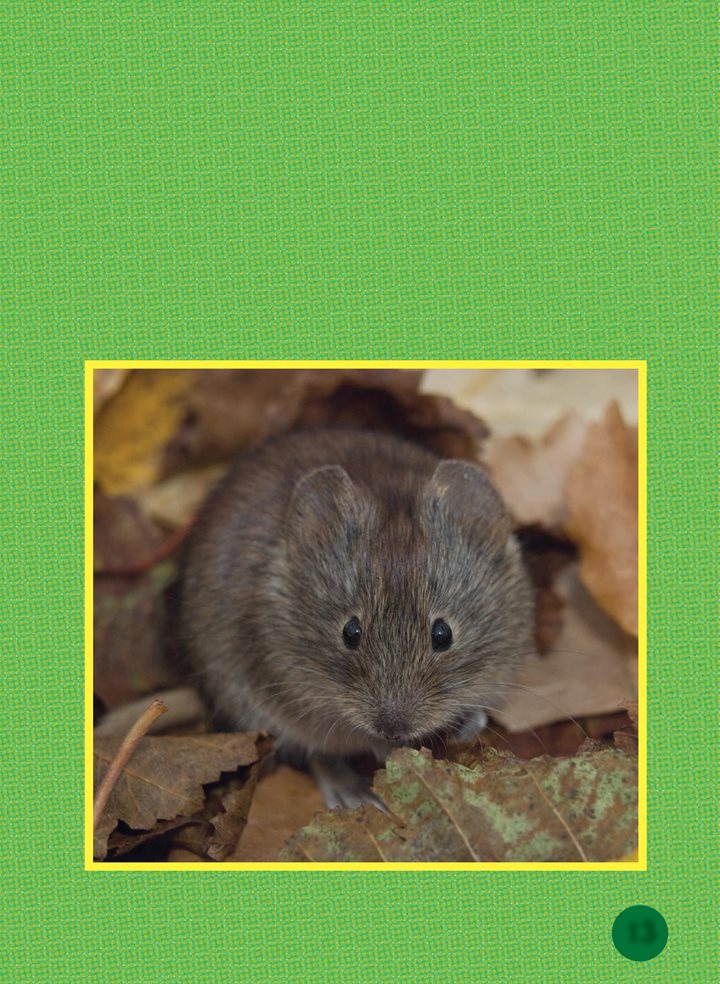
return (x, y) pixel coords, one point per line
(316, 180)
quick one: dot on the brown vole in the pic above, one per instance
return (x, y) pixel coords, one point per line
(349, 592)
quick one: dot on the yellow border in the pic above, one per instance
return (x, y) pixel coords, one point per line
(641, 366)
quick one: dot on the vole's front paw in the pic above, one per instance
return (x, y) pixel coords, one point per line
(342, 787)
(470, 727)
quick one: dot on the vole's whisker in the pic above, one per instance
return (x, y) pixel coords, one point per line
(552, 703)
(334, 642)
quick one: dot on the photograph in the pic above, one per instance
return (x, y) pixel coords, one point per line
(366, 615)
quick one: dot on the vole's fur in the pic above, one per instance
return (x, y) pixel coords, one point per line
(317, 528)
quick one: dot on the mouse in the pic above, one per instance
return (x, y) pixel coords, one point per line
(351, 592)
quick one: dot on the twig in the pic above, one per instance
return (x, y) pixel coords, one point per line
(122, 756)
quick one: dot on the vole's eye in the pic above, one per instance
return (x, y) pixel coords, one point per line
(441, 635)
(352, 633)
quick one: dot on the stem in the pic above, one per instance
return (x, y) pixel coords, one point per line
(122, 756)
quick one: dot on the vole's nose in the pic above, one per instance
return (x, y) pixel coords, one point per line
(391, 723)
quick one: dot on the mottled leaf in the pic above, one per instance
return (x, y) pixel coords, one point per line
(502, 809)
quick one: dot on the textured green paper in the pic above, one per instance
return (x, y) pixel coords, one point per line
(367, 180)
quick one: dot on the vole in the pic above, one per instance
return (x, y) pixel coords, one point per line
(350, 592)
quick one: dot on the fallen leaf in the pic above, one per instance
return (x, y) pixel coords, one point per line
(232, 410)
(123, 537)
(175, 501)
(544, 556)
(626, 736)
(589, 670)
(106, 382)
(165, 776)
(602, 498)
(122, 842)
(558, 738)
(133, 428)
(180, 856)
(228, 825)
(572, 809)
(631, 707)
(433, 421)
(205, 416)
(284, 801)
(530, 475)
(130, 638)
(530, 401)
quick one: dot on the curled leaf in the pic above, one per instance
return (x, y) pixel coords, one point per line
(165, 777)
(602, 498)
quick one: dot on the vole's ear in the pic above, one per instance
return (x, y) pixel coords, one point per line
(462, 493)
(326, 507)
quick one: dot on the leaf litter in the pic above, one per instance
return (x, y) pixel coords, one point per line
(573, 493)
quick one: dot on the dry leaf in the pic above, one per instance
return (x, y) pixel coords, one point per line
(106, 382)
(530, 401)
(545, 556)
(175, 501)
(602, 497)
(573, 809)
(133, 428)
(229, 824)
(284, 801)
(530, 475)
(129, 618)
(165, 777)
(123, 537)
(627, 737)
(559, 738)
(232, 410)
(120, 843)
(166, 421)
(589, 670)
(433, 421)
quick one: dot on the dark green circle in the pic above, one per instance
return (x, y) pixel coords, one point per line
(640, 932)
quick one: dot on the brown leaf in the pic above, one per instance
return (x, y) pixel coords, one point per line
(123, 537)
(121, 842)
(602, 497)
(548, 618)
(558, 738)
(590, 669)
(205, 416)
(626, 737)
(106, 382)
(175, 501)
(530, 475)
(433, 421)
(284, 801)
(545, 555)
(129, 619)
(228, 825)
(231, 410)
(165, 777)
(572, 809)
(631, 707)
